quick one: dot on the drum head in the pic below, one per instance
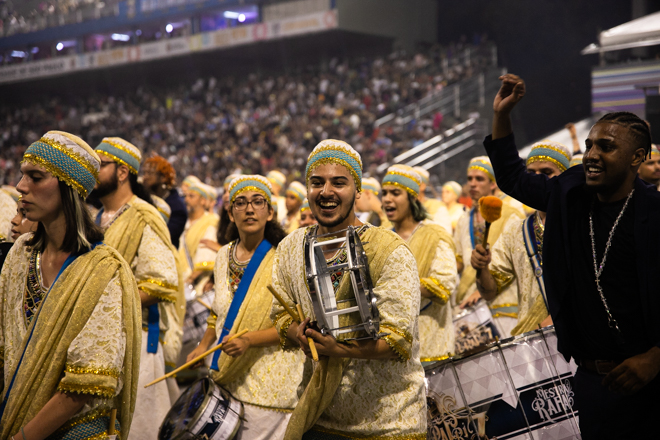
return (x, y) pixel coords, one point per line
(185, 411)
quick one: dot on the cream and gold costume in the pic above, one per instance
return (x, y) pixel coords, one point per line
(504, 307)
(265, 379)
(435, 255)
(8, 208)
(84, 338)
(445, 216)
(193, 255)
(139, 233)
(361, 398)
(432, 206)
(509, 266)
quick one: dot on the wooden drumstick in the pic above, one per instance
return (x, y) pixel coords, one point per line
(202, 302)
(288, 309)
(113, 417)
(197, 359)
(310, 341)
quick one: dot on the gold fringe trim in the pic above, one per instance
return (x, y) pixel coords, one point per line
(505, 315)
(72, 154)
(402, 186)
(55, 171)
(503, 306)
(409, 176)
(336, 161)
(436, 289)
(502, 280)
(283, 330)
(404, 356)
(93, 390)
(118, 160)
(206, 265)
(420, 436)
(560, 165)
(459, 258)
(436, 359)
(122, 148)
(404, 334)
(157, 294)
(482, 169)
(99, 371)
(251, 188)
(163, 284)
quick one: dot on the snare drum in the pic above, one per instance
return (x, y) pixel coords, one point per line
(194, 324)
(519, 388)
(474, 327)
(204, 411)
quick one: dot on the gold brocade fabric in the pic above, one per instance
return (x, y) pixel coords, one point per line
(463, 244)
(342, 391)
(263, 376)
(141, 236)
(94, 299)
(204, 227)
(434, 253)
(512, 270)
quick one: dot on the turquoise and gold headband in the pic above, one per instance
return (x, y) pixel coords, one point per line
(200, 188)
(454, 186)
(122, 152)
(371, 184)
(576, 160)
(404, 177)
(654, 150)
(424, 174)
(482, 163)
(162, 207)
(305, 205)
(68, 158)
(336, 152)
(549, 151)
(276, 177)
(297, 189)
(252, 182)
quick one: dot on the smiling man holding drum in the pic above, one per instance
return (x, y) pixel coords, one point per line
(253, 368)
(368, 387)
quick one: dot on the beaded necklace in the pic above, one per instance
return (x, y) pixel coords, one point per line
(341, 257)
(235, 268)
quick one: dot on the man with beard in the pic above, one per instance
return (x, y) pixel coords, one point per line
(469, 232)
(137, 231)
(158, 176)
(600, 256)
(387, 370)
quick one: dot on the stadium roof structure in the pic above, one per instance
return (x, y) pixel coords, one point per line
(641, 32)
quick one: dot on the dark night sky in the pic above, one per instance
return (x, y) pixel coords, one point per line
(540, 40)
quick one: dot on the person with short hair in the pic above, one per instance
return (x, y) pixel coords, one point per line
(364, 388)
(434, 253)
(600, 259)
(470, 232)
(7, 208)
(70, 315)
(649, 171)
(296, 193)
(517, 256)
(159, 177)
(451, 210)
(369, 206)
(306, 215)
(277, 180)
(20, 224)
(138, 232)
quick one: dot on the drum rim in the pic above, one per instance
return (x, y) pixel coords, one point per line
(198, 415)
(488, 347)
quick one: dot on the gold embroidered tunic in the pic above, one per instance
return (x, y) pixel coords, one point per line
(434, 252)
(103, 354)
(272, 379)
(193, 255)
(374, 398)
(510, 266)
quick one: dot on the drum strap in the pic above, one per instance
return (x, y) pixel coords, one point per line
(188, 256)
(240, 295)
(472, 227)
(535, 258)
(153, 328)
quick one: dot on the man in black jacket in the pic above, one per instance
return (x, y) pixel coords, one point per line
(601, 257)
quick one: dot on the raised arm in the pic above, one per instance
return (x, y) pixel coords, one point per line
(510, 171)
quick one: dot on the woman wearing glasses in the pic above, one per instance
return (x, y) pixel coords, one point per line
(253, 368)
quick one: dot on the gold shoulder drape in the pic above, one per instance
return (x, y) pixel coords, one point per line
(378, 245)
(253, 315)
(469, 275)
(195, 234)
(62, 316)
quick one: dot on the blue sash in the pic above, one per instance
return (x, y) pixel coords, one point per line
(472, 227)
(66, 264)
(240, 294)
(535, 258)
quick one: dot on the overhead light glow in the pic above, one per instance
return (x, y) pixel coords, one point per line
(138, 32)
(59, 46)
(35, 50)
(241, 18)
(232, 15)
(120, 37)
(169, 28)
(18, 54)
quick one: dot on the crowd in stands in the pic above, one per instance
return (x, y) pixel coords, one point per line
(217, 126)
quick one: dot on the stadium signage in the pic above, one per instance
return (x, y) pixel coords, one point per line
(303, 24)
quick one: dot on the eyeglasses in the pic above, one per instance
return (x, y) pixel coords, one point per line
(258, 204)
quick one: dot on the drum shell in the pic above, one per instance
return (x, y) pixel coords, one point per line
(474, 327)
(218, 416)
(518, 386)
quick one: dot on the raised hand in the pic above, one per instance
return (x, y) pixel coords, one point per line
(511, 92)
